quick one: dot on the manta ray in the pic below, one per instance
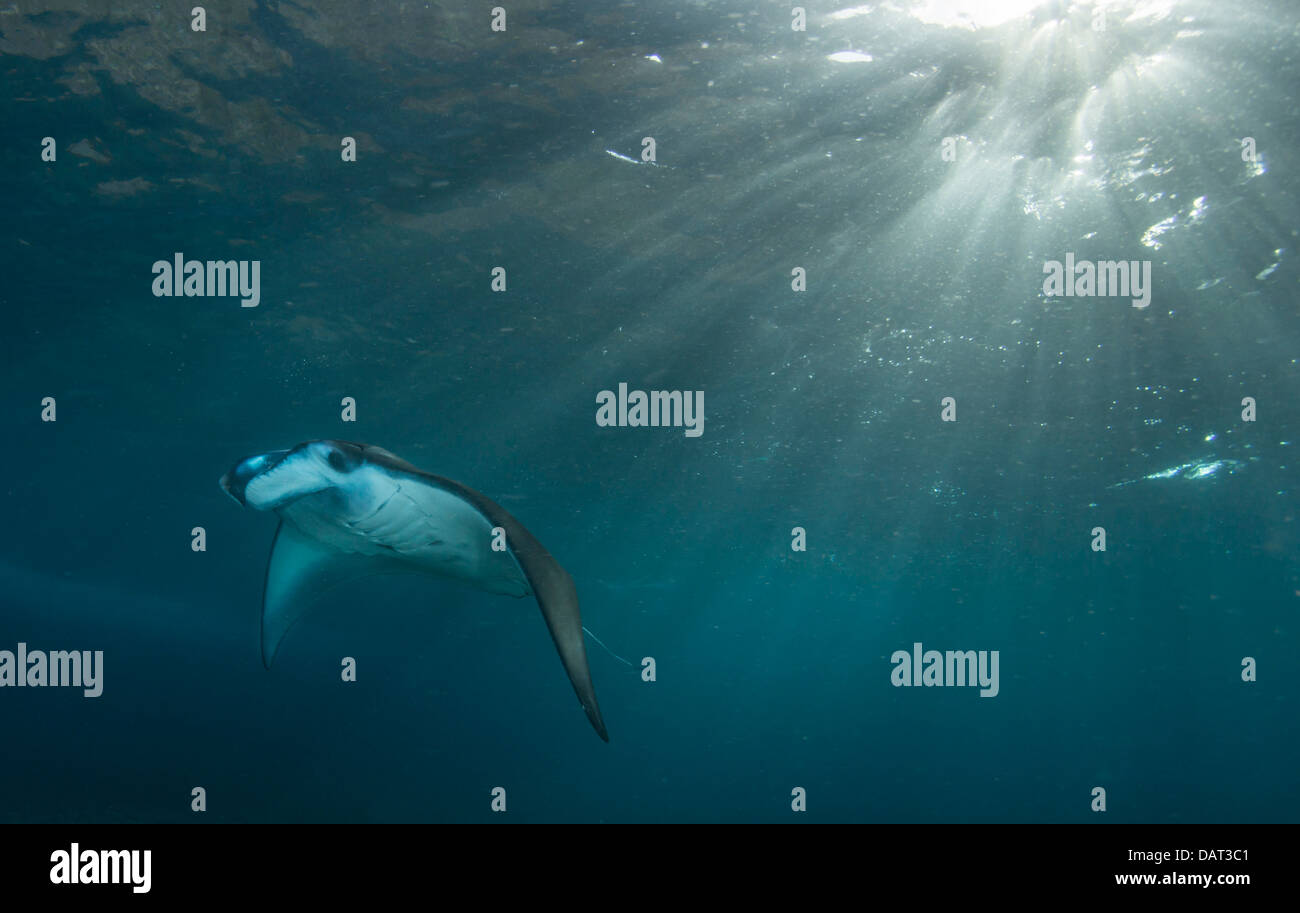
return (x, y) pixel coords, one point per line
(351, 510)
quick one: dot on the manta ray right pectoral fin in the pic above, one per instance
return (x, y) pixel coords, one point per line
(300, 572)
(558, 600)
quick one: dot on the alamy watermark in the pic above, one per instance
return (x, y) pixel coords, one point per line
(202, 279)
(78, 866)
(1102, 279)
(953, 668)
(656, 409)
(57, 669)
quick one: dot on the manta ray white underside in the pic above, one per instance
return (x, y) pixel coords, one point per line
(352, 510)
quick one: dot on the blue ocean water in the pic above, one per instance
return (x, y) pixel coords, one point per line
(921, 161)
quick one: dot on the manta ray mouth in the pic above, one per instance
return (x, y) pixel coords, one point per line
(233, 485)
(227, 484)
(235, 481)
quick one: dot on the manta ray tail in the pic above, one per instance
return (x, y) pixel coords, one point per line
(605, 648)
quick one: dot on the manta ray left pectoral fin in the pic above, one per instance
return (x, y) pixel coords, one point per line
(300, 572)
